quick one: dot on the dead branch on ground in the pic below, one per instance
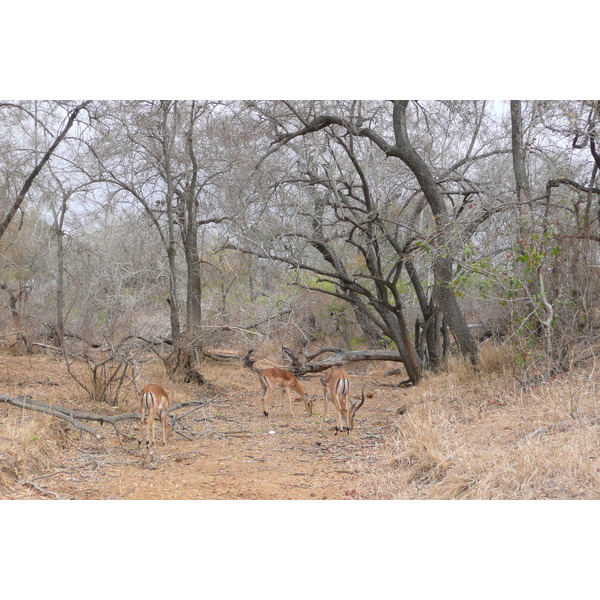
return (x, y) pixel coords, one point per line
(74, 417)
(29, 404)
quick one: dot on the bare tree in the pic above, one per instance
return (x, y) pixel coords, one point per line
(159, 164)
(39, 163)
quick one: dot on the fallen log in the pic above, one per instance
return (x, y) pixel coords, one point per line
(74, 417)
(219, 356)
(338, 358)
(29, 404)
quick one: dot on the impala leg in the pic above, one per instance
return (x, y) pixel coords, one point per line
(289, 396)
(149, 421)
(325, 403)
(162, 414)
(343, 416)
(267, 393)
(338, 418)
(141, 436)
(348, 416)
(142, 414)
(337, 424)
(152, 421)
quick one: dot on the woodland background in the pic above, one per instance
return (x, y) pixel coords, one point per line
(418, 228)
(324, 50)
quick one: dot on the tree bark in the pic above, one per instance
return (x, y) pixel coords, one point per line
(519, 169)
(167, 145)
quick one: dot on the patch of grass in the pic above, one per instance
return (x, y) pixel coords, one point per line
(482, 435)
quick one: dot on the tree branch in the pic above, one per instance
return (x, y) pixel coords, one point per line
(36, 170)
(28, 403)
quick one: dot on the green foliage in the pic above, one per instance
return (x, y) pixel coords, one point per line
(477, 273)
(403, 286)
(538, 251)
(356, 343)
(319, 284)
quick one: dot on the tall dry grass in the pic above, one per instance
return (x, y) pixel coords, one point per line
(29, 445)
(483, 435)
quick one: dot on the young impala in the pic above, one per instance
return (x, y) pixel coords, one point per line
(276, 378)
(336, 387)
(156, 401)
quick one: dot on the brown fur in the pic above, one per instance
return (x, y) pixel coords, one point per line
(271, 379)
(155, 400)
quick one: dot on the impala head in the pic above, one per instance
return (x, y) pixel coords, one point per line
(352, 410)
(308, 404)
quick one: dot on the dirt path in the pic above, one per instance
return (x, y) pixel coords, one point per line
(239, 455)
(235, 453)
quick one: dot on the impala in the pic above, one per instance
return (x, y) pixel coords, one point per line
(156, 401)
(336, 387)
(276, 378)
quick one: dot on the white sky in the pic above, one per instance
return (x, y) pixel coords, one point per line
(312, 49)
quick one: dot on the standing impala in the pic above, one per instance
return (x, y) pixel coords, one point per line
(271, 379)
(336, 387)
(156, 401)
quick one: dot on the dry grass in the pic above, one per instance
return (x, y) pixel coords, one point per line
(482, 436)
(28, 447)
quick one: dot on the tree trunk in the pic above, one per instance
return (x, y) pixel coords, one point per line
(430, 349)
(370, 332)
(443, 264)
(194, 276)
(181, 364)
(60, 289)
(541, 310)
(167, 143)
(520, 171)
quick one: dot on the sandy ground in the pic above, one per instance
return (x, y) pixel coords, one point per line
(233, 450)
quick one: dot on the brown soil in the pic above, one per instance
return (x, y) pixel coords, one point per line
(235, 451)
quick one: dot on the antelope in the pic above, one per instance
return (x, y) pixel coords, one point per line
(155, 400)
(336, 387)
(271, 379)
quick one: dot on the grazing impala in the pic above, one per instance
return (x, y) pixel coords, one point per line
(336, 387)
(156, 401)
(271, 379)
